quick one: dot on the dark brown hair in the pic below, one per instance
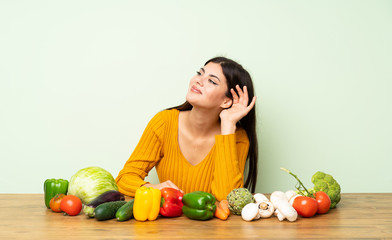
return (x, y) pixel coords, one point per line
(236, 75)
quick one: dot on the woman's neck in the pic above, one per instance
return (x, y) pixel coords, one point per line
(203, 122)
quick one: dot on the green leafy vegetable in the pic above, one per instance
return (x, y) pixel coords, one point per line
(88, 183)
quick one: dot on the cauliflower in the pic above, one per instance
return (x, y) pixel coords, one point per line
(326, 183)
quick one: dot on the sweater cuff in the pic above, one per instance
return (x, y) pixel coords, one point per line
(128, 185)
(229, 139)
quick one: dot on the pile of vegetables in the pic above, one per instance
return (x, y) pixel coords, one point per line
(261, 207)
(323, 196)
(90, 187)
(288, 205)
(94, 191)
(57, 200)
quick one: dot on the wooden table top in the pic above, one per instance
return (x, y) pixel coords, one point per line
(24, 216)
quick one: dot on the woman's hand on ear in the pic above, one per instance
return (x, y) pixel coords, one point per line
(239, 109)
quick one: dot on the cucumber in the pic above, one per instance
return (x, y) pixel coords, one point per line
(109, 196)
(108, 210)
(125, 212)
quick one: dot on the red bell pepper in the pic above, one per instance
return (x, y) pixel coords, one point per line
(171, 202)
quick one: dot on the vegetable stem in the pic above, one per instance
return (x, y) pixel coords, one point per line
(299, 181)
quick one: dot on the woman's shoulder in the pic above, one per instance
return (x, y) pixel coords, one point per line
(162, 122)
(166, 115)
(164, 118)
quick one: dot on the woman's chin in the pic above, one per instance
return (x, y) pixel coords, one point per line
(191, 99)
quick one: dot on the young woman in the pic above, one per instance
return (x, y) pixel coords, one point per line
(203, 144)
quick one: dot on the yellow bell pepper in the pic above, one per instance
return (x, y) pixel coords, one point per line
(147, 203)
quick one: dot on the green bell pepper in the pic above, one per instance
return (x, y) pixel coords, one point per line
(199, 205)
(53, 187)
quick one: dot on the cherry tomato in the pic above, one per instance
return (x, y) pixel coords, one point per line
(305, 206)
(71, 205)
(54, 203)
(323, 201)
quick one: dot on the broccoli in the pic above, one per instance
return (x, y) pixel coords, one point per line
(326, 183)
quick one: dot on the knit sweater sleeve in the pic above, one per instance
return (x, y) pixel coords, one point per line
(232, 152)
(145, 156)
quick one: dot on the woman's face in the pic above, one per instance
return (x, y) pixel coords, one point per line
(208, 87)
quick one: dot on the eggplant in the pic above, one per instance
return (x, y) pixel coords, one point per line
(109, 196)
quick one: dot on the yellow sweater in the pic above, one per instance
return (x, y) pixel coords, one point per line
(220, 172)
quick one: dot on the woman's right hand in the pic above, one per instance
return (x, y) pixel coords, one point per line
(167, 184)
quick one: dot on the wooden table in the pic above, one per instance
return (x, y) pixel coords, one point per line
(24, 216)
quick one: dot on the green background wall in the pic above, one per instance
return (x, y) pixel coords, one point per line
(81, 79)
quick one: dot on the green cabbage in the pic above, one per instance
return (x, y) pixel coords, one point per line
(88, 183)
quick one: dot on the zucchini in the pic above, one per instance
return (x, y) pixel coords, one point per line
(108, 210)
(125, 212)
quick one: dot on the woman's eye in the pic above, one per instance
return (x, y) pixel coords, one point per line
(212, 82)
(198, 73)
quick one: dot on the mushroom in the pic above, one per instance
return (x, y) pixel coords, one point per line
(250, 212)
(266, 208)
(259, 197)
(291, 195)
(283, 208)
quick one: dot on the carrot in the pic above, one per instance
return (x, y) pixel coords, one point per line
(222, 210)
(219, 213)
(224, 204)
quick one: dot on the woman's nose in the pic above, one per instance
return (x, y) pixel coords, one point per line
(200, 81)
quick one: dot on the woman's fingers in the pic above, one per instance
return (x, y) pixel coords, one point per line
(235, 96)
(242, 96)
(170, 184)
(240, 93)
(252, 104)
(166, 184)
(246, 97)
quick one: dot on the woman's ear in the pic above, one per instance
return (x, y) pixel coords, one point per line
(226, 103)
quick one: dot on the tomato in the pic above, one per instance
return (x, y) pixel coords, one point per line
(305, 206)
(54, 203)
(323, 201)
(71, 205)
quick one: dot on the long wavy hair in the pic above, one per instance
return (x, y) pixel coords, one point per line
(236, 75)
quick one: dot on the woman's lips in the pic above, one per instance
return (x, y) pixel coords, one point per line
(195, 90)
